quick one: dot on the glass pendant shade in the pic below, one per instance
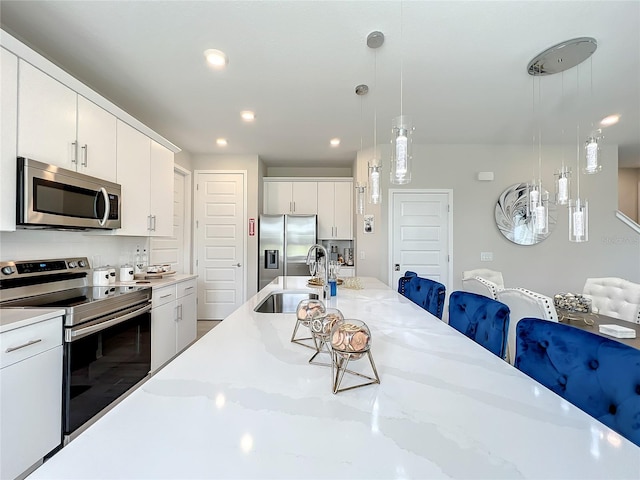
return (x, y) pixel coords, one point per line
(360, 192)
(534, 197)
(592, 153)
(375, 193)
(541, 214)
(401, 151)
(563, 185)
(578, 220)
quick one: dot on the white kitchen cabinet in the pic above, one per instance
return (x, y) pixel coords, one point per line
(8, 132)
(187, 324)
(145, 172)
(30, 395)
(173, 321)
(283, 197)
(60, 127)
(161, 190)
(96, 141)
(335, 210)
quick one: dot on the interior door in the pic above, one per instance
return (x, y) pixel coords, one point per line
(420, 235)
(220, 212)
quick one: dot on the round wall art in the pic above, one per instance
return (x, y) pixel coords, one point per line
(515, 221)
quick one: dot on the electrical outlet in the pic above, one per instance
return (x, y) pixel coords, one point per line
(362, 255)
(486, 256)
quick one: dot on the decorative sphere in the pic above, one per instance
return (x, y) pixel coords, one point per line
(307, 309)
(322, 322)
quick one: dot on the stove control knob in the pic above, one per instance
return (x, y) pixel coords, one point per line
(7, 270)
(73, 264)
(82, 264)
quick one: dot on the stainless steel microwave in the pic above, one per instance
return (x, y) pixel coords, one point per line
(53, 197)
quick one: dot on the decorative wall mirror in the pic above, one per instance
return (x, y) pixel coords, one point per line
(515, 221)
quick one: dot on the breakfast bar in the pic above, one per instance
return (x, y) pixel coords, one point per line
(243, 402)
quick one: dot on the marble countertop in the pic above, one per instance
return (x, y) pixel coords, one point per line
(242, 402)
(12, 318)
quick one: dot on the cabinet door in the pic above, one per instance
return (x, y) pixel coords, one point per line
(304, 196)
(31, 411)
(163, 334)
(133, 160)
(8, 147)
(326, 202)
(161, 201)
(186, 326)
(343, 210)
(46, 118)
(277, 198)
(96, 140)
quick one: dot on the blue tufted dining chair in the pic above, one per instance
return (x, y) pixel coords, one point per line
(426, 293)
(484, 320)
(598, 375)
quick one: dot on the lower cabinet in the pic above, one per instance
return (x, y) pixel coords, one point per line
(173, 321)
(30, 395)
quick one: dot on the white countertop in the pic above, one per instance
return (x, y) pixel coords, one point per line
(243, 402)
(159, 282)
(12, 318)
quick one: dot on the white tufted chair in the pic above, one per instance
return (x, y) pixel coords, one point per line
(615, 297)
(481, 286)
(491, 275)
(524, 303)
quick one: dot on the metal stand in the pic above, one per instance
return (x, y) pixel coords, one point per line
(301, 341)
(340, 361)
(321, 347)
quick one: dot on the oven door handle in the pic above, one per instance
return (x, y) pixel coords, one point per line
(72, 335)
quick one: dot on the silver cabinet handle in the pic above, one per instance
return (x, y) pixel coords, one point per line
(154, 223)
(85, 149)
(75, 152)
(28, 344)
(167, 295)
(189, 288)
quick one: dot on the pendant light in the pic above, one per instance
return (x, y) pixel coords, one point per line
(538, 196)
(556, 59)
(402, 130)
(375, 41)
(592, 145)
(361, 188)
(563, 174)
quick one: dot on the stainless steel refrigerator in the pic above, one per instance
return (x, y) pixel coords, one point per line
(284, 241)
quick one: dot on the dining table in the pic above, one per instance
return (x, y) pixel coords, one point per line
(244, 402)
(591, 322)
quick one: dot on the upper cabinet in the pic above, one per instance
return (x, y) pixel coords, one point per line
(298, 197)
(335, 210)
(145, 172)
(8, 129)
(58, 126)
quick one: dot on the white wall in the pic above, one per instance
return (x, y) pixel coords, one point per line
(250, 163)
(552, 266)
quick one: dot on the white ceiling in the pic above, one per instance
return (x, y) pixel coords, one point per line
(297, 63)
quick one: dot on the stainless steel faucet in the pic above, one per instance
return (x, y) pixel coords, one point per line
(325, 285)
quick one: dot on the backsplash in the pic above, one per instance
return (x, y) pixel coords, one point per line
(48, 244)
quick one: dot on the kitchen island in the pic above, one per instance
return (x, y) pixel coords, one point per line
(242, 402)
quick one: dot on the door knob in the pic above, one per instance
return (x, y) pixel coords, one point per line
(238, 265)
(397, 267)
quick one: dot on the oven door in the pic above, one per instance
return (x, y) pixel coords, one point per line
(102, 360)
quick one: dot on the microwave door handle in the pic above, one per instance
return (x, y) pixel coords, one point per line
(107, 207)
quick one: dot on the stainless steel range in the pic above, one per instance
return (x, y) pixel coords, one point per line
(107, 331)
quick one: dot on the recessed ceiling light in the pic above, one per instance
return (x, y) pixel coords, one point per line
(221, 142)
(334, 142)
(610, 120)
(248, 115)
(216, 58)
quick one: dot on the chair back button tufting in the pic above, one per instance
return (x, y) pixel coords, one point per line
(594, 364)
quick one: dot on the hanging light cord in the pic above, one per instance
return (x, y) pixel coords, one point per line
(539, 136)
(375, 106)
(401, 59)
(578, 136)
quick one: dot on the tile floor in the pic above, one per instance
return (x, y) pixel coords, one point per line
(205, 325)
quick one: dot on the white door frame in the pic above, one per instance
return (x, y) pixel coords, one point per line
(188, 245)
(392, 192)
(244, 223)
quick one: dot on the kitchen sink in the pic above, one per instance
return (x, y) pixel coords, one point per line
(283, 302)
